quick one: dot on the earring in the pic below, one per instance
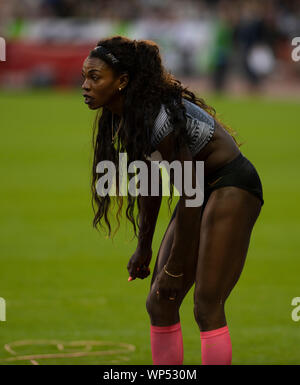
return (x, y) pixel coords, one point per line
(120, 88)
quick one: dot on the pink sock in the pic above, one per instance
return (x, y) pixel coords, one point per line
(166, 344)
(216, 347)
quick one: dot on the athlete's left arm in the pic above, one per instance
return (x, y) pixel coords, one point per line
(187, 220)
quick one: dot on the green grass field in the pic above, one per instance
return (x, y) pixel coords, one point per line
(64, 282)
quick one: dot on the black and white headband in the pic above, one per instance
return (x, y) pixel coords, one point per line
(102, 51)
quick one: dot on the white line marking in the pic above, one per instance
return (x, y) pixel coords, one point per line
(125, 348)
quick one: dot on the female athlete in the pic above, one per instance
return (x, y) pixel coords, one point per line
(148, 114)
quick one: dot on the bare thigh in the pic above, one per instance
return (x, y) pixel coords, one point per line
(165, 313)
(226, 227)
(163, 255)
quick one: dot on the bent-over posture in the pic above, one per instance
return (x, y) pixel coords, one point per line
(148, 114)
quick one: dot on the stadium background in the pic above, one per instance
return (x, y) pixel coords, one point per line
(62, 281)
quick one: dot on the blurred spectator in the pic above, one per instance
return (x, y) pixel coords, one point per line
(196, 36)
(252, 34)
(223, 43)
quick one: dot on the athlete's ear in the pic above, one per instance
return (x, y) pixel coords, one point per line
(123, 80)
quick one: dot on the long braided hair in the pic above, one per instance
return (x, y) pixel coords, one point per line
(150, 85)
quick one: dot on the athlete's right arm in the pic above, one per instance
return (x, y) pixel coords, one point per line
(149, 209)
(148, 214)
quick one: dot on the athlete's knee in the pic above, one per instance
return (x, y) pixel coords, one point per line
(159, 308)
(154, 304)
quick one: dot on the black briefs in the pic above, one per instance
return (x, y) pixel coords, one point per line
(240, 172)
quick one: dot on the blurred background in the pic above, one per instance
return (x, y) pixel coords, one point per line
(219, 44)
(65, 285)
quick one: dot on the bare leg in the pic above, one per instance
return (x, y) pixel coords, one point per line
(226, 227)
(165, 312)
(165, 329)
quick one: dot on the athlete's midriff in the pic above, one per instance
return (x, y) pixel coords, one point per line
(220, 150)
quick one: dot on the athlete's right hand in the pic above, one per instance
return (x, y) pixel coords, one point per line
(138, 265)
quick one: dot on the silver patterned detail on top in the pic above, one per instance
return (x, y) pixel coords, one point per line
(200, 127)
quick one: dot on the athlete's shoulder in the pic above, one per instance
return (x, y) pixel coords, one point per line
(198, 121)
(162, 126)
(193, 111)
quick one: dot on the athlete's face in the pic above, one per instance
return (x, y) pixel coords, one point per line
(101, 85)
